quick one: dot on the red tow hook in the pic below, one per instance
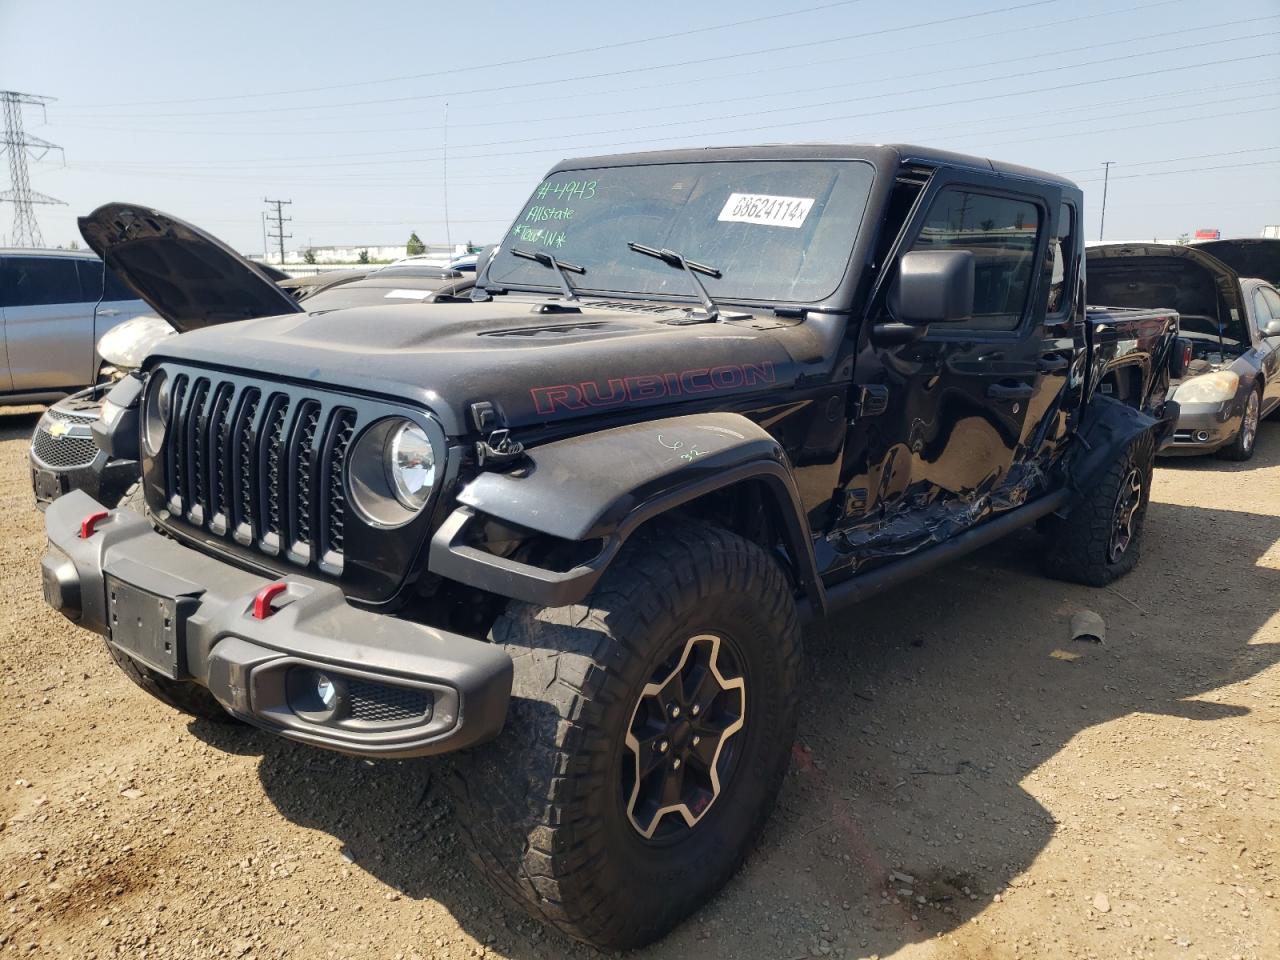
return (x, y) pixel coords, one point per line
(262, 600)
(88, 525)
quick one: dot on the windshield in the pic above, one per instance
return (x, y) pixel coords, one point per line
(775, 230)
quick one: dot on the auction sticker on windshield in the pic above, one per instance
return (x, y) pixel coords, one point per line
(764, 209)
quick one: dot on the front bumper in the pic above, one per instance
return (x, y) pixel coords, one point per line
(1203, 428)
(401, 689)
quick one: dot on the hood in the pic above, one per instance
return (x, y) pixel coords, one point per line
(127, 344)
(1252, 257)
(538, 366)
(189, 278)
(1204, 290)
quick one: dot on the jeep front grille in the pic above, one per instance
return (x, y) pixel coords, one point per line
(260, 465)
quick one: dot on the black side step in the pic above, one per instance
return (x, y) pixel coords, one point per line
(864, 586)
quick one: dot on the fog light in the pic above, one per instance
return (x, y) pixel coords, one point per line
(325, 690)
(1202, 436)
(316, 696)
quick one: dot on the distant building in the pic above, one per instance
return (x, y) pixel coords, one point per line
(350, 253)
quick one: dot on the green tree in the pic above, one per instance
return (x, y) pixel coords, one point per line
(1184, 238)
(309, 256)
(414, 247)
(364, 256)
(472, 248)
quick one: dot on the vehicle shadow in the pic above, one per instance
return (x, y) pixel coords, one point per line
(929, 712)
(18, 423)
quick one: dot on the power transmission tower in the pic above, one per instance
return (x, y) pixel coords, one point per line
(280, 220)
(18, 144)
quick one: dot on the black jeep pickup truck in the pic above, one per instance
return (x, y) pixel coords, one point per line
(574, 525)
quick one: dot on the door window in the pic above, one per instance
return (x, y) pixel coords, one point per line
(1261, 312)
(1272, 300)
(91, 283)
(35, 281)
(1061, 248)
(1001, 232)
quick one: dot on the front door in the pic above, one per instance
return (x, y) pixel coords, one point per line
(953, 425)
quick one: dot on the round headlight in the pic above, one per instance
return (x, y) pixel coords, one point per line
(155, 412)
(411, 465)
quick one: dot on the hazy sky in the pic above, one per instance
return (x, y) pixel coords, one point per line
(202, 110)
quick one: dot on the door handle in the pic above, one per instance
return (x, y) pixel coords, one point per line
(1051, 364)
(108, 313)
(1005, 391)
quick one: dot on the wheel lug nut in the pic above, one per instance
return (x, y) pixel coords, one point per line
(695, 710)
(675, 712)
(696, 741)
(675, 764)
(662, 746)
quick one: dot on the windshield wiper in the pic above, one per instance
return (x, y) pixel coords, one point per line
(673, 259)
(559, 266)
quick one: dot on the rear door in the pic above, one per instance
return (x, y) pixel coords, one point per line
(955, 402)
(48, 323)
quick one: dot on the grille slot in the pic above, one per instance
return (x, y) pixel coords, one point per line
(260, 466)
(380, 703)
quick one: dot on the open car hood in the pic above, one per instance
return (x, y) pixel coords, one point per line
(1252, 257)
(189, 278)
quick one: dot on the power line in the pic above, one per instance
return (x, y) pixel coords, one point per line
(362, 158)
(19, 145)
(684, 81)
(679, 64)
(680, 34)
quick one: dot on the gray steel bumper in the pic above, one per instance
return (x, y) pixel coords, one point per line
(191, 618)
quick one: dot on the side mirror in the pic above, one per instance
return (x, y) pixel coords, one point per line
(1271, 328)
(933, 286)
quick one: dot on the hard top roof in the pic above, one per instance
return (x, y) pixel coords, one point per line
(885, 155)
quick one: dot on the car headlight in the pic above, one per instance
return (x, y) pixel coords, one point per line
(155, 412)
(392, 470)
(411, 465)
(1208, 388)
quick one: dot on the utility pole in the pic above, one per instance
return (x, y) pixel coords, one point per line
(448, 239)
(1106, 176)
(19, 145)
(278, 216)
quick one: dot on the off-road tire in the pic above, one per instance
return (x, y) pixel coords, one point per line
(1079, 546)
(1245, 442)
(190, 698)
(541, 807)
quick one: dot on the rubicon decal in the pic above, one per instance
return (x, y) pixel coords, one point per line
(651, 386)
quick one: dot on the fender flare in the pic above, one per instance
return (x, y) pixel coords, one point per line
(1106, 430)
(602, 486)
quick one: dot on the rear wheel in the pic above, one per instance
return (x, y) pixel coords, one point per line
(1101, 539)
(649, 730)
(1241, 448)
(190, 698)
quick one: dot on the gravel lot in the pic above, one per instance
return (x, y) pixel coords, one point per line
(957, 790)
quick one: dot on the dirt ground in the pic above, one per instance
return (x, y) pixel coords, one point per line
(958, 791)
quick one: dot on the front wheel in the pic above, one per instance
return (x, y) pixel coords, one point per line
(1242, 445)
(649, 730)
(1102, 537)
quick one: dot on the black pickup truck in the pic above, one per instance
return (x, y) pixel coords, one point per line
(567, 532)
